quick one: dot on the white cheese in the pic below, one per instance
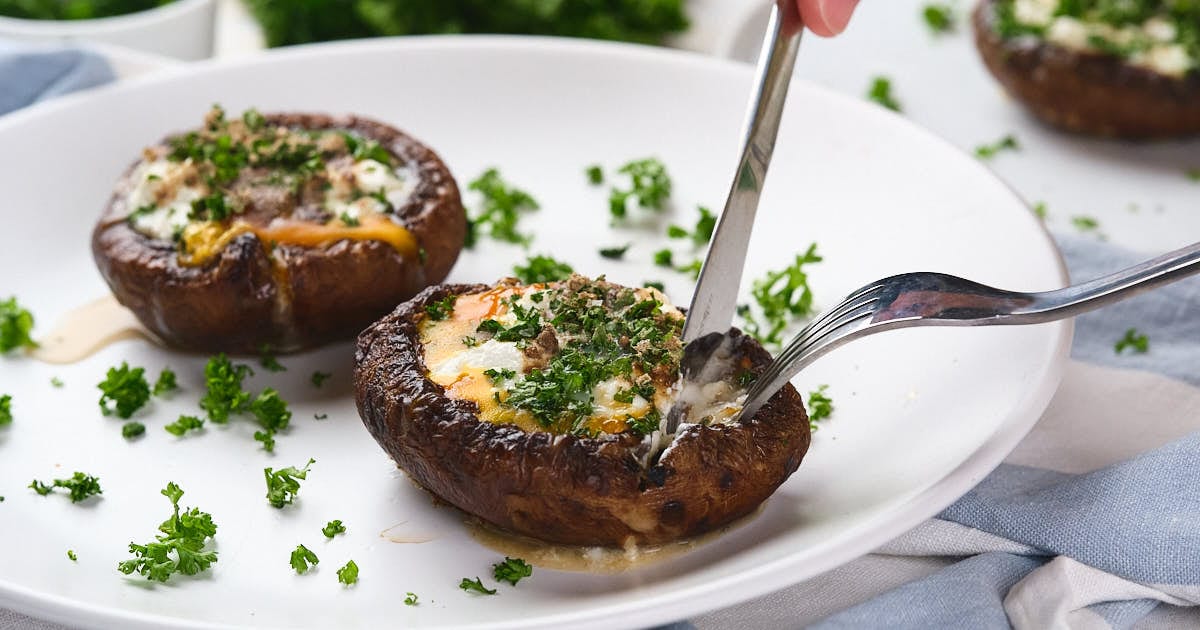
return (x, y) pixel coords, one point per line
(491, 354)
(152, 179)
(352, 182)
(1034, 12)
(1170, 60)
(1068, 33)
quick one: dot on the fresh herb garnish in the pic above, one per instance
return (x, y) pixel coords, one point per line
(224, 395)
(126, 388)
(302, 557)
(649, 284)
(179, 548)
(266, 358)
(542, 269)
(881, 92)
(410, 599)
(511, 570)
(319, 378)
(273, 414)
(649, 185)
(1085, 224)
(702, 233)
(333, 528)
(1133, 340)
(165, 383)
(71, 555)
(644, 425)
(988, 151)
(79, 486)
(470, 341)
(664, 258)
(131, 430)
(615, 253)
(497, 376)
(938, 17)
(1041, 210)
(56, 382)
(595, 174)
(349, 221)
(820, 406)
(183, 425)
(6, 417)
(283, 485)
(15, 325)
(501, 210)
(475, 585)
(781, 297)
(441, 309)
(348, 574)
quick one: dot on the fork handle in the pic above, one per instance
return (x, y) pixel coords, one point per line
(1088, 296)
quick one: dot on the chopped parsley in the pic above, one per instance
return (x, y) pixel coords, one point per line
(441, 309)
(511, 570)
(939, 18)
(56, 382)
(302, 557)
(71, 555)
(165, 383)
(500, 375)
(542, 269)
(410, 599)
(79, 486)
(333, 528)
(1133, 340)
(615, 253)
(131, 430)
(529, 324)
(266, 358)
(988, 151)
(1085, 224)
(1040, 210)
(476, 586)
(15, 325)
(224, 395)
(284, 484)
(273, 414)
(179, 548)
(644, 425)
(501, 210)
(319, 378)
(595, 174)
(781, 298)
(348, 221)
(650, 284)
(126, 388)
(183, 425)
(649, 185)
(348, 574)
(6, 416)
(470, 341)
(702, 233)
(881, 92)
(820, 406)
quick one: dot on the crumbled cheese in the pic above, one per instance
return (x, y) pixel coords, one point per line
(1068, 33)
(1035, 12)
(352, 182)
(160, 184)
(1166, 60)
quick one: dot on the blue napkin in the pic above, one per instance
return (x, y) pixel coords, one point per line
(1126, 536)
(30, 75)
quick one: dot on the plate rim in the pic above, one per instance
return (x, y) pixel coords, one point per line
(677, 604)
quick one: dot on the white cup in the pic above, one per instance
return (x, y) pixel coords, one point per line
(182, 29)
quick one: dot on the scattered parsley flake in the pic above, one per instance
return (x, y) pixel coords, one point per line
(615, 253)
(183, 425)
(650, 284)
(266, 358)
(348, 574)
(702, 233)
(881, 93)
(664, 258)
(649, 185)
(225, 394)
(319, 378)
(988, 151)
(165, 383)
(131, 430)
(595, 174)
(79, 486)
(441, 309)
(15, 325)
(273, 414)
(511, 570)
(333, 528)
(820, 406)
(283, 485)
(542, 269)
(56, 382)
(301, 557)
(72, 556)
(6, 416)
(126, 388)
(179, 548)
(939, 18)
(410, 599)
(320, 416)
(475, 585)
(1133, 340)
(1041, 210)
(1085, 224)
(501, 210)
(348, 221)
(781, 297)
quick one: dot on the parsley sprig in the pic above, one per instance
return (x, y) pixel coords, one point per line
(781, 297)
(333, 528)
(16, 323)
(501, 210)
(881, 92)
(79, 486)
(179, 548)
(511, 570)
(302, 557)
(284, 484)
(126, 388)
(6, 417)
(1133, 340)
(939, 18)
(348, 574)
(820, 406)
(649, 185)
(475, 585)
(540, 269)
(988, 151)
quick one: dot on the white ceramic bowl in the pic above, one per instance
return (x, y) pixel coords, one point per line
(182, 29)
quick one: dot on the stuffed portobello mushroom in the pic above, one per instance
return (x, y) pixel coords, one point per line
(279, 230)
(540, 410)
(1127, 69)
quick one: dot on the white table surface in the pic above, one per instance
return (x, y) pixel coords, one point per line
(1139, 193)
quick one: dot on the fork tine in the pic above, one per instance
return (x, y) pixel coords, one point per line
(858, 300)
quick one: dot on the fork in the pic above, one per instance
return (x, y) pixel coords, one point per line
(937, 299)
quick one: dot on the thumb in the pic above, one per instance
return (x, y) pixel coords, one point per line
(826, 17)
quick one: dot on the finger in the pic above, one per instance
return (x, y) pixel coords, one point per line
(826, 17)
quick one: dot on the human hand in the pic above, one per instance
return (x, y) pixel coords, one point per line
(823, 17)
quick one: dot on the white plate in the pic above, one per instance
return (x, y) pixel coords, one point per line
(921, 415)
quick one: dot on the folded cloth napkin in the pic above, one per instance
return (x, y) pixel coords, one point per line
(31, 74)
(1066, 543)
